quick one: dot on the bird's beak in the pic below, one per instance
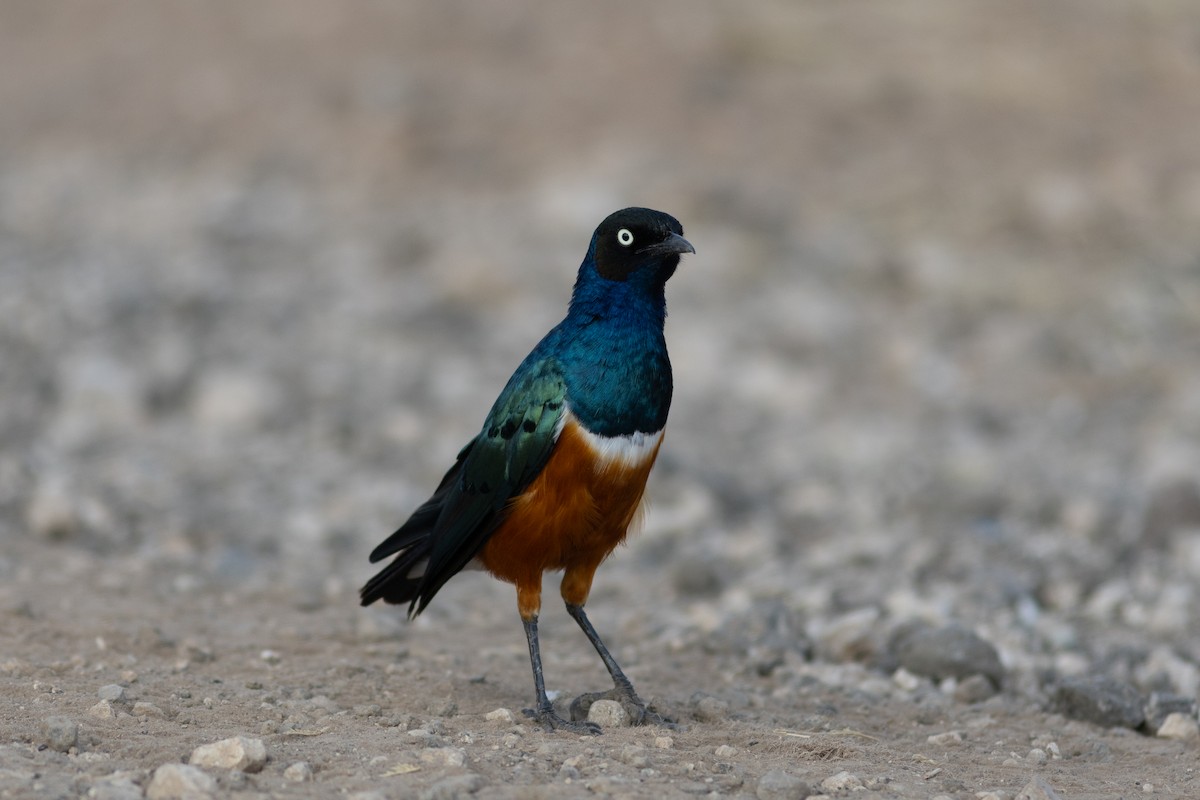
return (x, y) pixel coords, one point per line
(674, 243)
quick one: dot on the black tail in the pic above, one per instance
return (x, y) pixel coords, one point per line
(414, 542)
(393, 583)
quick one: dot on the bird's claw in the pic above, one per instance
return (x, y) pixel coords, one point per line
(553, 722)
(639, 713)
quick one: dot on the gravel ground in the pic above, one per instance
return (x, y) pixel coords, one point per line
(927, 518)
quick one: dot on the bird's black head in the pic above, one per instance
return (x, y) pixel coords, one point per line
(634, 238)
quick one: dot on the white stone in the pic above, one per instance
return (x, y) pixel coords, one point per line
(117, 786)
(843, 781)
(850, 636)
(499, 715)
(300, 772)
(51, 511)
(1181, 727)
(608, 714)
(102, 710)
(947, 739)
(906, 680)
(180, 782)
(1038, 789)
(240, 753)
(144, 709)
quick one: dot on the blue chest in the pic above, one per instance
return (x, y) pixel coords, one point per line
(614, 361)
(619, 383)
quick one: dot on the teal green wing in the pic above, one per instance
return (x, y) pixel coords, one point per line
(494, 468)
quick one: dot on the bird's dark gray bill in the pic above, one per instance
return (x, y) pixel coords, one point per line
(674, 243)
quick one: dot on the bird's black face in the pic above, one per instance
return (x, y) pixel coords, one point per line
(636, 238)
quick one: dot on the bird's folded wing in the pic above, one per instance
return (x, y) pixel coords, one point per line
(497, 466)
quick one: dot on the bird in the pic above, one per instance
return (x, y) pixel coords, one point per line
(555, 477)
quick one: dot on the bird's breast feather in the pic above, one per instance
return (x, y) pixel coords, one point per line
(628, 451)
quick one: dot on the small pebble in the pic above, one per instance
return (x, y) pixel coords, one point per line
(443, 707)
(237, 753)
(180, 782)
(1161, 705)
(780, 785)
(711, 709)
(323, 703)
(117, 786)
(60, 733)
(950, 652)
(608, 714)
(51, 512)
(444, 756)
(197, 651)
(725, 751)
(664, 742)
(499, 715)
(300, 772)
(1180, 727)
(1037, 789)
(454, 788)
(424, 736)
(1173, 508)
(906, 680)
(974, 689)
(102, 710)
(113, 692)
(1037, 755)
(947, 739)
(851, 637)
(1100, 700)
(144, 709)
(842, 781)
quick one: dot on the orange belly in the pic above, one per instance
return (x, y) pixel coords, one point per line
(577, 510)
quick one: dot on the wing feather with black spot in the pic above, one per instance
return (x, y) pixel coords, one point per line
(450, 528)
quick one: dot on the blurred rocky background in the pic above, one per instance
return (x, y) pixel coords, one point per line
(264, 266)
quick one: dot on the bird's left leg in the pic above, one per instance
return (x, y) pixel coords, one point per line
(575, 588)
(528, 604)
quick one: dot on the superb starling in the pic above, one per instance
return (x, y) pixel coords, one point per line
(555, 477)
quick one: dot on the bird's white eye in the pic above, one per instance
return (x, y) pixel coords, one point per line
(625, 237)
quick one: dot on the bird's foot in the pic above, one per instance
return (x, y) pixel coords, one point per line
(553, 722)
(639, 712)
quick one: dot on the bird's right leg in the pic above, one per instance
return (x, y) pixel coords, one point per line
(576, 584)
(529, 603)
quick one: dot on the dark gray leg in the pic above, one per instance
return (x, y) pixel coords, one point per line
(622, 691)
(544, 712)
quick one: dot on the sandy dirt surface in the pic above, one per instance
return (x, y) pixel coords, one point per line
(926, 523)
